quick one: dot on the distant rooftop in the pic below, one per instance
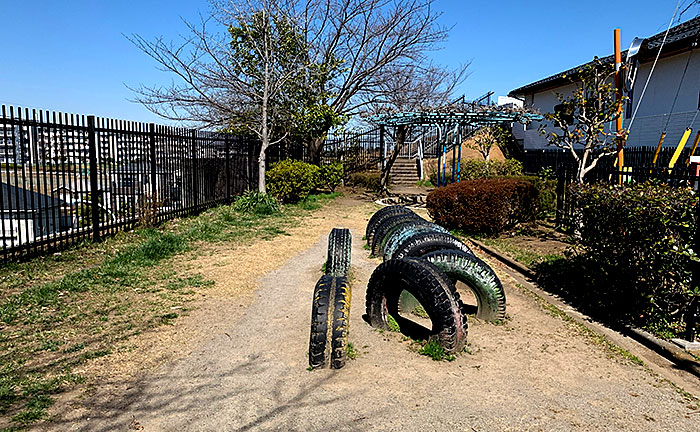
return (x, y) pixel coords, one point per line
(680, 38)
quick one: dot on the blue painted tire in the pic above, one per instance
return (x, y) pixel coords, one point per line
(403, 233)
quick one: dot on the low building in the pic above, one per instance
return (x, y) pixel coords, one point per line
(675, 78)
(28, 216)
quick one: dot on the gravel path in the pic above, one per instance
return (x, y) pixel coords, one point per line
(534, 373)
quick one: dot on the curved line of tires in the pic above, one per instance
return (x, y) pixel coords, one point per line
(425, 260)
(420, 258)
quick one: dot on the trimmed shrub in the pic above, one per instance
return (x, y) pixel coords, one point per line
(473, 169)
(483, 206)
(330, 175)
(370, 180)
(636, 241)
(290, 180)
(546, 194)
(256, 202)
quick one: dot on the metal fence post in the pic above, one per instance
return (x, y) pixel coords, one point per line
(227, 146)
(561, 189)
(94, 186)
(195, 191)
(154, 184)
(382, 147)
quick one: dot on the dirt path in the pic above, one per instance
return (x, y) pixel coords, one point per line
(533, 373)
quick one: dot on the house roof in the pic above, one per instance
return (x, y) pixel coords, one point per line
(680, 38)
(20, 199)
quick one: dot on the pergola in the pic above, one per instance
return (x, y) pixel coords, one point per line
(452, 123)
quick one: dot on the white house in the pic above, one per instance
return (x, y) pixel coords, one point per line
(657, 111)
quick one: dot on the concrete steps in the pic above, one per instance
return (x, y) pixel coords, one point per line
(404, 172)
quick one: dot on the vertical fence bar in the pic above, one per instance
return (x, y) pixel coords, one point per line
(227, 150)
(94, 192)
(195, 190)
(154, 183)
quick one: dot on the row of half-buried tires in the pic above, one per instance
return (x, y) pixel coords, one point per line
(423, 259)
(330, 311)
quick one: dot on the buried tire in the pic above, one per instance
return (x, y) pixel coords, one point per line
(380, 216)
(341, 324)
(339, 251)
(424, 243)
(388, 226)
(397, 237)
(430, 287)
(478, 276)
(329, 321)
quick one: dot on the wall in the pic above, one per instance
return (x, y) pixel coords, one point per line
(654, 113)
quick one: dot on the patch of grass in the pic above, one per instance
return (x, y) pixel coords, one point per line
(60, 311)
(435, 351)
(582, 329)
(315, 202)
(324, 266)
(393, 325)
(351, 351)
(419, 311)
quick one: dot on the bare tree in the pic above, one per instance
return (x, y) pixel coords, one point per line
(242, 80)
(483, 141)
(580, 120)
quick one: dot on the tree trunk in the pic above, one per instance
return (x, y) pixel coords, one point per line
(401, 133)
(262, 187)
(316, 148)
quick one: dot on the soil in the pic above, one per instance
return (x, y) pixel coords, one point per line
(239, 362)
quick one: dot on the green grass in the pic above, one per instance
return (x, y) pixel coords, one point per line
(393, 325)
(351, 351)
(61, 311)
(526, 257)
(435, 351)
(582, 329)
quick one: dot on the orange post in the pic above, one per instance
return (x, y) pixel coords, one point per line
(618, 86)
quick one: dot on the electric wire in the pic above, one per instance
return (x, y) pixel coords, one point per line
(653, 66)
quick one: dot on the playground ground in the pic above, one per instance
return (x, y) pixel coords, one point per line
(238, 360)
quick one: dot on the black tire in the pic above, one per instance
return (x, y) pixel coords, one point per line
(396, 237)
(379, 217)
(341, 323)
(330, 313)
(387, 226)
(430, 287)
(478, 276)
(423, 243)
(339, 251)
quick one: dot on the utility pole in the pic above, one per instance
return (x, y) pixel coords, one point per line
(618, 122)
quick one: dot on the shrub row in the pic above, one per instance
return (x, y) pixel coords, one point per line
(483, 206)
(293, 180)
(370, 180)
(636, 240)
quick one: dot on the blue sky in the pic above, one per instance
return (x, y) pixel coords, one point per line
(72, 56)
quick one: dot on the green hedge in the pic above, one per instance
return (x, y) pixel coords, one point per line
(633, 255)
(483, 206)
(370, 180)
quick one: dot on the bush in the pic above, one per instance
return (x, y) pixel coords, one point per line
(637, 241)
(370, 180)
(473, 169)
(483, 206)
(546, 194)
(257, 203)
(330, 176)
(290, 180)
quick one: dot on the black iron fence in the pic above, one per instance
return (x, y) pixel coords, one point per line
(358, 150)
(536, 160)
(69, 178)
